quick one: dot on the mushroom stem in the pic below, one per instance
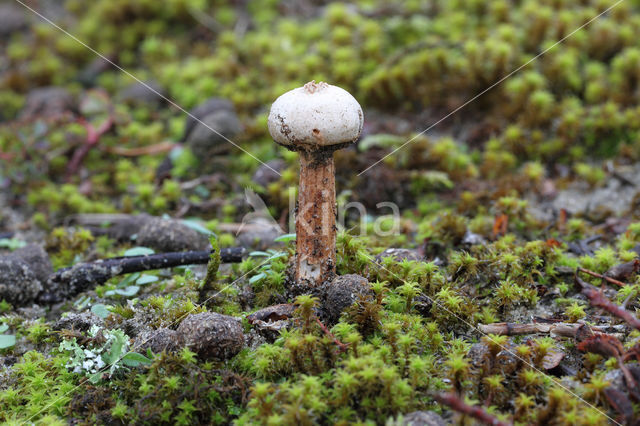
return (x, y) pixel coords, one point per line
(316, 218)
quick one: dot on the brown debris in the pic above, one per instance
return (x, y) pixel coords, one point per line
(620, 403)
(597, 299)
(456, 404)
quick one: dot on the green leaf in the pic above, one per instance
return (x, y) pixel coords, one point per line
(134, 359)
(285, 238)
(117, 347)
(259, 254)
(197, 226)
(95, 377)
(100, 310)
(3, 328)
(11, 243)
(129, 291)
(7, 340)
(128, 279)
(146, 279)
(257, 278)
(382, 140)
(139, 251)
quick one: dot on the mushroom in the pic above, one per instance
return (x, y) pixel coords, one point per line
(315, 120)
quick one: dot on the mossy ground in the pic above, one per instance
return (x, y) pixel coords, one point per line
(474, 194)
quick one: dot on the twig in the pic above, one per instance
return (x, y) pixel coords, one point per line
(456, 404)
(80, 277)
(597, 298)
(136, 152)
(342, 347)
(93, 137)
(559, 329)
(603, 277)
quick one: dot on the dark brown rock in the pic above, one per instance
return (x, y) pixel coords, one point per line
(19, 285)
(166, 235)
(212, 335)
(142, 93)
(204, 109)
(206, 143)
(13, 17)
(37, 259)
(162, 339)
(78, 321)
(342, 292)
(266, 175)
(47, 102)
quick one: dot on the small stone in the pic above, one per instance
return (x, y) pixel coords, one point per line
(206, 143)
(616, 377)
(167, 235)
(259, 234)
(473, 239)
(399, 254)
(423, 418)
(32, 312)
(37, 259)
(139, 94)
(212, 335)
(89, 74)
(342, 292)
(270, 321)
(12, 18)
(122, 230)
(273, 313)
(82, 321)
(201, 111)
(162, 339)
(19, 285)
(47, 102)
(265, 174)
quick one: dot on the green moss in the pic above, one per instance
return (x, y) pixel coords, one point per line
(39, 390)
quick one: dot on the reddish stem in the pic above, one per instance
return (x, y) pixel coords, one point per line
(598, 299)
(607, 279)
(342, 347)
(456, 404)
(93, 137)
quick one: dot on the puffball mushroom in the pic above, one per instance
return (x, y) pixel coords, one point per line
(315, 120)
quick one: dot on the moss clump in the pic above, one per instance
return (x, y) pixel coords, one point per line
(38, 390)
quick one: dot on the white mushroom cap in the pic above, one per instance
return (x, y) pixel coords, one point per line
(317, 114)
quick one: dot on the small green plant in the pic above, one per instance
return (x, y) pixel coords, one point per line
(269, 281)
(6, 340)
(101, 360)
(11, 243)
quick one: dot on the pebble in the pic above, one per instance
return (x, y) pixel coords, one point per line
(139, 94)
(162, 339)
(82, 321)
(18, 283)
(265, 174)
(168, 235)
(205, 143)
(12, 19)
(201, 111)
(342, 292)
(22, 274)
(423, 418)
(212, 335)
(47, 102)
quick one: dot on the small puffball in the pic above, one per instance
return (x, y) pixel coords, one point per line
(317, 114)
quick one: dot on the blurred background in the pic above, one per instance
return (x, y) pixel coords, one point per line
(409, 63)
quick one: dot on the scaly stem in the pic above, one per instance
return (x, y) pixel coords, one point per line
(316, 219)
